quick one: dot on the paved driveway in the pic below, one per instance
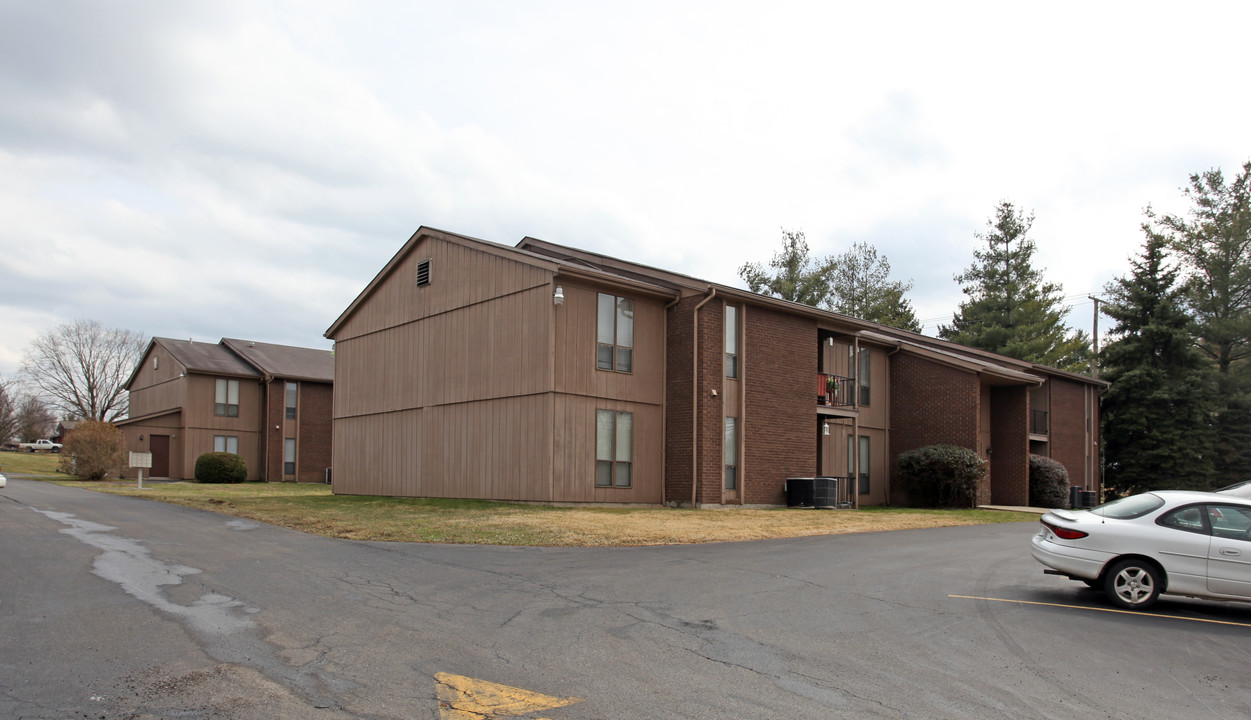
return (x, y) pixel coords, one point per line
(115, 607)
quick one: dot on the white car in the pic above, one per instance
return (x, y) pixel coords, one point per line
(3, 481)
(1176, 542)
(1241, 489)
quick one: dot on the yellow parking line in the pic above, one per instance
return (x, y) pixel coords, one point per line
(1107, 610)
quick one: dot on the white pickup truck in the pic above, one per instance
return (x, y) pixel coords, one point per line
(40, 446)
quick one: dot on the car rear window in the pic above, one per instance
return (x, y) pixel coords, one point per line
(1130, 507)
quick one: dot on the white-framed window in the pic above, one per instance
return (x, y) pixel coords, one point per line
(288, 456)
(227, 398)
(731, 341)
(226, 443)
(614, 448)
(293, 391)
(614, 333)
(731, 453)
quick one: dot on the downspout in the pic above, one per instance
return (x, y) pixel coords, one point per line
(664, 404)
(712, 292)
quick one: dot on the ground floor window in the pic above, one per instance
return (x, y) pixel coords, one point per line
(288, 456)
(226, 444)
(614, 448)
(731, 453)
(864, 484)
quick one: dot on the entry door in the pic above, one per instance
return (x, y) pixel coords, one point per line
(160, 455)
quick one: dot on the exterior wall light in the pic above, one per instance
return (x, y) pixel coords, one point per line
(825, 428)
(559, 297)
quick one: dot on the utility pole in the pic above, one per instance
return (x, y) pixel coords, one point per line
(1094, 359)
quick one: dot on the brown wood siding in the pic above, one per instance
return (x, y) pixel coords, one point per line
(156, 389)
(575, 348)
(496, 449)
(460, 277)
(574, 452)
(496, 348)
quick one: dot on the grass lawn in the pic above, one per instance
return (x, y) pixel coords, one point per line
(312, 508)
(27, 463)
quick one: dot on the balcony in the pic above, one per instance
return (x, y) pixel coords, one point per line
(835, 390)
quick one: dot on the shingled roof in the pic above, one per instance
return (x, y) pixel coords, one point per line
(286, 361)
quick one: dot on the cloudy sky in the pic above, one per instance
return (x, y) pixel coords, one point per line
(243, 169)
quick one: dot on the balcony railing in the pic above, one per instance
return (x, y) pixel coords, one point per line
(835, 390)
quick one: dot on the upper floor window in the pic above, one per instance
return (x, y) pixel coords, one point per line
(731, 341)
(863, 363)
(293, 390)
(614, 448)
(227, 401)
(615, 334)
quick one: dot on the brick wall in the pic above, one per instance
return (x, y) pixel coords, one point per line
(1009, 442)
(313, 441)
(678, 400)
(311, 429)
(1067, 437)
(930, 404)
(780, 418)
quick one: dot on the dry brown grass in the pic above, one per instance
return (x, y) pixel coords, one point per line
(313, 509)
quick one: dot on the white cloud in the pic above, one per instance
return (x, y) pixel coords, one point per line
(244, 169)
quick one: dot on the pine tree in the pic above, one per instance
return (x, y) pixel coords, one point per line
(862, 288)
(1157, 414)
(795, 277)
(1011, 310)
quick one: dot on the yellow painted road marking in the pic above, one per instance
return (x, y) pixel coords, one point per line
(1107, 610)
(466, 698)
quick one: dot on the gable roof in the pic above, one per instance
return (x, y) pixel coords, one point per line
(285, 361)
(202, 357)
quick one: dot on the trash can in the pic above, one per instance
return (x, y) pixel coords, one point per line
(1075, 497)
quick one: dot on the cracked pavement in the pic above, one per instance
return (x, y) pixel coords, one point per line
(114, 607)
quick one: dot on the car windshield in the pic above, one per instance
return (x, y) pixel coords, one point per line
(1129, 507)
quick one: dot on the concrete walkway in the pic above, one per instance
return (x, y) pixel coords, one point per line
(1014, 508)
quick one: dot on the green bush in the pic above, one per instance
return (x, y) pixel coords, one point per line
(942, 475)
(220, 467)
(1048, 483)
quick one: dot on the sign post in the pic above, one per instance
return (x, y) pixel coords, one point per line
(141, 461)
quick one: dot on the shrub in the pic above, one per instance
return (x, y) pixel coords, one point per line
(220, 467)
(942, 475)
(1048, 483)
(93, 451)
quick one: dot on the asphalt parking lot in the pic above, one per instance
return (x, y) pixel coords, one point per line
(121, 608)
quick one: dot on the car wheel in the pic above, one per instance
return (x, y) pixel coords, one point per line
(56, 450)
(1133, 584)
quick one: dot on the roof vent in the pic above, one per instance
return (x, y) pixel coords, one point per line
(423, 273)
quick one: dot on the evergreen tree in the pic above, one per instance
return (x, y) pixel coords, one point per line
(1157, 414)
(1010, 309)
(795, 276)
(862, 288)
(1213, 242)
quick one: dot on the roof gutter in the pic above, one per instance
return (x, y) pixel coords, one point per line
(712, 292)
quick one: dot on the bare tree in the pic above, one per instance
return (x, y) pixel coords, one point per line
(82, 368)
(34, 419)
(8, 411)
